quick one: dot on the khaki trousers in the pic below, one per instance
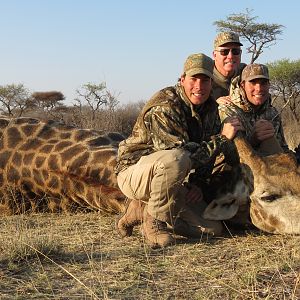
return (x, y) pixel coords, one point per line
(157, 179)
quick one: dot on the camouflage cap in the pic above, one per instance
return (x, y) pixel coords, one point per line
(199, 63)
(226, 37)
(253, 71)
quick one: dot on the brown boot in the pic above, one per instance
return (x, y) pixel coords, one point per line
(155, 231)
(132, 216)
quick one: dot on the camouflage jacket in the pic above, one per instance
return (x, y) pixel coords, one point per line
(249, 114)
(169, 120)
(221, 84)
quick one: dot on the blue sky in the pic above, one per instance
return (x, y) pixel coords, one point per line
(135, 46)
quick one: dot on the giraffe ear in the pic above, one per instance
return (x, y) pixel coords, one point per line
(223, 208)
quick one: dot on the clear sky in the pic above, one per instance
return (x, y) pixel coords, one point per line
(136, 46)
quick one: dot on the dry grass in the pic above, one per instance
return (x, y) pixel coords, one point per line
(49, 256)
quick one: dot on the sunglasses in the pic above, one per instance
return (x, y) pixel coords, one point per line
(234, 51)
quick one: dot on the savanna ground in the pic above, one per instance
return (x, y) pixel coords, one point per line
(81, 256)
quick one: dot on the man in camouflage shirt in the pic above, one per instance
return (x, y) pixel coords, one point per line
(227, 57)
(250, 102)
(176, 132)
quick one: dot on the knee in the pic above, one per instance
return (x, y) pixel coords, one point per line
(176, 162)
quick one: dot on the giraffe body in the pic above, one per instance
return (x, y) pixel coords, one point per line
(49, 163)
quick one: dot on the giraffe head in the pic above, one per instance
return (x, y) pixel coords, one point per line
(275, 179)
(273, 185)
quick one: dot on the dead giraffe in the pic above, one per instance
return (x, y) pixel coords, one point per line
(64, 163)
(272, 183)
(275, 186)
(71, 165)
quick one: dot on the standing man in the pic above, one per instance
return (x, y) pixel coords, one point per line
(176, 132)
(227, 66)
(227, 56)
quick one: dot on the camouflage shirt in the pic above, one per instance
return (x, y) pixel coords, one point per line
(221, 84)
(249, 114)
(169, 120)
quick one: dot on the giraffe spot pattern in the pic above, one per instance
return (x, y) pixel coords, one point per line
(66, 165)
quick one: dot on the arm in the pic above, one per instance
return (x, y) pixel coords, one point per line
(208, 151)
(169, 130)
(269, 125)
(262, 130)
(224, 100)
(166, 127)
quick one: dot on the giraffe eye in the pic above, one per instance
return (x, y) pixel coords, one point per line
(270, 198)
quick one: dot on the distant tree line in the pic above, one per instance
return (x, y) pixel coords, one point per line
(96, 107)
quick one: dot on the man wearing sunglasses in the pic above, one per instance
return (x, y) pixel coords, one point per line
(227, 56)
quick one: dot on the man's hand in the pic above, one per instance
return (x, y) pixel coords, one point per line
(231, 126)
(225, 100)
(262, 130)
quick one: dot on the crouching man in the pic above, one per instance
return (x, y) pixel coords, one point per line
(176, 132)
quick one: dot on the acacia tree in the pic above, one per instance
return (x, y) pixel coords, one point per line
(14, 99)
(47, 100)
(258, 35)
(92, 95)
(50, 103)
(91, 99)
(285, 84)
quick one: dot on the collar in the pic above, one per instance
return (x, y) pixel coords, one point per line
(180, 91)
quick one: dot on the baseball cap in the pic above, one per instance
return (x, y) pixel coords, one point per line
(226, 37)
(253, 71)
(199, 63)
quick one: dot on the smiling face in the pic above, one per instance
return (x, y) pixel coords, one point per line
(229, 63)
(257, 90)
(197, 88)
